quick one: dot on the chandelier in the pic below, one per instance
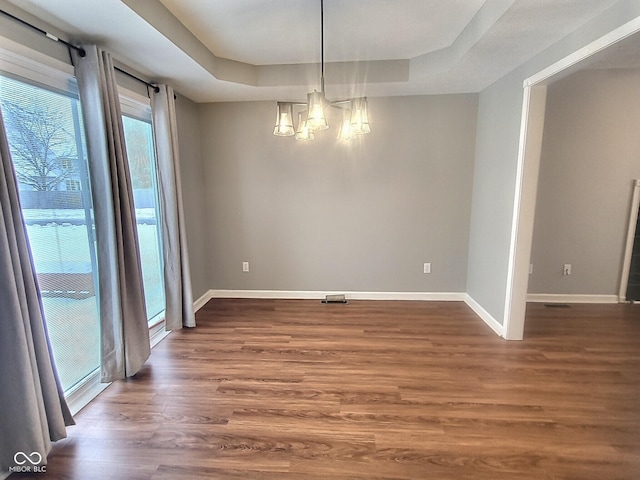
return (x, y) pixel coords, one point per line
(355, 118)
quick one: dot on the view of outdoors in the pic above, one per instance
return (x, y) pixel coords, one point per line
(139, 139)
(48, 152)
(46, 139)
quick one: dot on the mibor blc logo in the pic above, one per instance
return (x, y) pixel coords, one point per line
(28, 463)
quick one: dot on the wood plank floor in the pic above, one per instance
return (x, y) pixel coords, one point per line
(292, 389)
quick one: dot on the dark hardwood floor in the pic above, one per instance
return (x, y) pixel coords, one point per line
(275, 389)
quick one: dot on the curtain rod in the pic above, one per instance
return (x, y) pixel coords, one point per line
(151, 85)
(80, 50)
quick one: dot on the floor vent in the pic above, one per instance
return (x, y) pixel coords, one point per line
(557, 305)
(340, 298)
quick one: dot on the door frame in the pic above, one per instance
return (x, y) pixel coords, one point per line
(631, 233)
(530, 145)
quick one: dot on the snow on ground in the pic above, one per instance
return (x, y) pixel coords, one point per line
(74, 214)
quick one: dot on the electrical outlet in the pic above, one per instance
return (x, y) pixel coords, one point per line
(530, 268)
(245, 266)
(427, 268)
(566, 269)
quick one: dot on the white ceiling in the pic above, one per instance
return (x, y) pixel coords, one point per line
(288, 31)
(230, 50)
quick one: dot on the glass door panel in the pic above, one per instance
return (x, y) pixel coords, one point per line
(48, 152)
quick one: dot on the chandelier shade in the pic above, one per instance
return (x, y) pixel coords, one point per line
(304, 132)
(284, 120)
(316, 119)
(360, 116)
(346, 130)
(355, 110)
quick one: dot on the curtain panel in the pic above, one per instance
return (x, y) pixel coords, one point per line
(123, 318)
(177, 277)
(33, 411)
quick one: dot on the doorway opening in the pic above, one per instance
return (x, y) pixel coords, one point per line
(534, 100)
(630, 282)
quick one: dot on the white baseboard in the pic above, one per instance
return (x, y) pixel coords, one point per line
(202, 301)
(569, 298)
(319, 295)
(486, 317)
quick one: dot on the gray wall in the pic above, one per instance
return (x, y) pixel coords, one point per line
(590, 156)
(326, 215)
(193, 194)
(499, 119)
(493, 194)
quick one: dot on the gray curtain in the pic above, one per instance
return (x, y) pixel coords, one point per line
(33, 411)
(179, 310)
(123, 317)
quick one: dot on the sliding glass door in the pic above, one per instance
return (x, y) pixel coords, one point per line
(44, 128)
(142, 165)
(43, 119)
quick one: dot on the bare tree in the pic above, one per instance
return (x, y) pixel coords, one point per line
(138, 153)
(43, 150)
